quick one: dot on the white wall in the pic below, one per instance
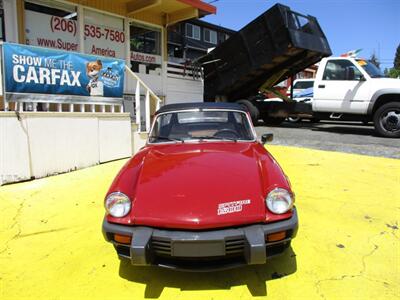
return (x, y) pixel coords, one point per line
(114, 138)
(140, 139)
(184, 90)
(153, 81)
(60, 144)
(14, 149)
(42, 144)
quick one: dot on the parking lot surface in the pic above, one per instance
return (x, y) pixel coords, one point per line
(351, 137)
(348, 244)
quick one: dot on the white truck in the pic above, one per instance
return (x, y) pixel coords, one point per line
(352, 89)
(277, 45)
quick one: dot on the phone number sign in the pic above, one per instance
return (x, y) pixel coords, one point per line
(105, 41)
(104, 34)
(50, 31)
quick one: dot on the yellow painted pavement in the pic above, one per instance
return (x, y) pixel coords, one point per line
(347, 247)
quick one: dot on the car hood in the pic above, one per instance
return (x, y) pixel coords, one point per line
(202, 185)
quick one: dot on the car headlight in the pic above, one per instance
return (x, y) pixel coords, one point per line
(279, 201)
(118, 204)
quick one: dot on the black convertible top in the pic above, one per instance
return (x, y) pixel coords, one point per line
(201, 105)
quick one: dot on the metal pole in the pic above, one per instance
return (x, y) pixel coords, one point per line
(3, 81)
(147, 106)
(291, 87)
(137, 106)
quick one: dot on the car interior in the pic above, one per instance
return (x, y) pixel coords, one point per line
(186, 125)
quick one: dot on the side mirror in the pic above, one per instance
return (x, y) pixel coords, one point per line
(350, 73)
(267, 137)
(362, 78)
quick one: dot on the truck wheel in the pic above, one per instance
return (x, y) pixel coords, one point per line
(254, 112)
(273, 121)
(387, 120)
(294, 119)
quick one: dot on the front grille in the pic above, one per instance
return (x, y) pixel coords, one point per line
(234, 256)
(234, 246)
(161, 246)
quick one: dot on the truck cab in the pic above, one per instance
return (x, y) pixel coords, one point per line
(353, 89)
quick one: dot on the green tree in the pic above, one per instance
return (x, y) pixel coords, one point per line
(394, 73)
(396, 62)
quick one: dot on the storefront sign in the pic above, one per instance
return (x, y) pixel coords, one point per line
(103, 35)
(146, 58)
(51, 31)
(34, 70)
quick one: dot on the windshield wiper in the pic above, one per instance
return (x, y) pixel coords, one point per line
(215, 138)
(165, 138)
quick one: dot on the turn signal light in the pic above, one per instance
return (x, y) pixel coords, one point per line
(277, 236)
(122, 239)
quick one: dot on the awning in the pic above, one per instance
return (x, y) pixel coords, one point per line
(167, 12)
(160, 12)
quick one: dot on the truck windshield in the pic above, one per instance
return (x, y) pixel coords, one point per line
(370, 68)
(182, 126)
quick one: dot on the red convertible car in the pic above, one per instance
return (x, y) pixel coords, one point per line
(202, 194)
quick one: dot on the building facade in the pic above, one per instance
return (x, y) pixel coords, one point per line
(132, 30)
(191, 39)
(50, 136)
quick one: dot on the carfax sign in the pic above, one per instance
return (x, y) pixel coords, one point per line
(32, 70)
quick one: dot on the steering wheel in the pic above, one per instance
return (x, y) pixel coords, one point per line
(226, 131)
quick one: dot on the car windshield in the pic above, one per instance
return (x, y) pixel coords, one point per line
(183, 126)
(370, 68)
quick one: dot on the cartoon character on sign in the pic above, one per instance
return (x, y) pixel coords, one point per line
(95, 86)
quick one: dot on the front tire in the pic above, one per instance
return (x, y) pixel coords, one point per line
(387, 120)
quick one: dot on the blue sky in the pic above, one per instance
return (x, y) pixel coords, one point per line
(373, 25)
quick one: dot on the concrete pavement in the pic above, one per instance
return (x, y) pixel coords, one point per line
(350, 137)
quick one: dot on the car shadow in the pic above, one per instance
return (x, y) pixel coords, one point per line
(332, 127)
(367, 131)
(254, 277)
(285, 124)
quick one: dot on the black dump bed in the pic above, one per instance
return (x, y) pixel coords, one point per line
(277, 44)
